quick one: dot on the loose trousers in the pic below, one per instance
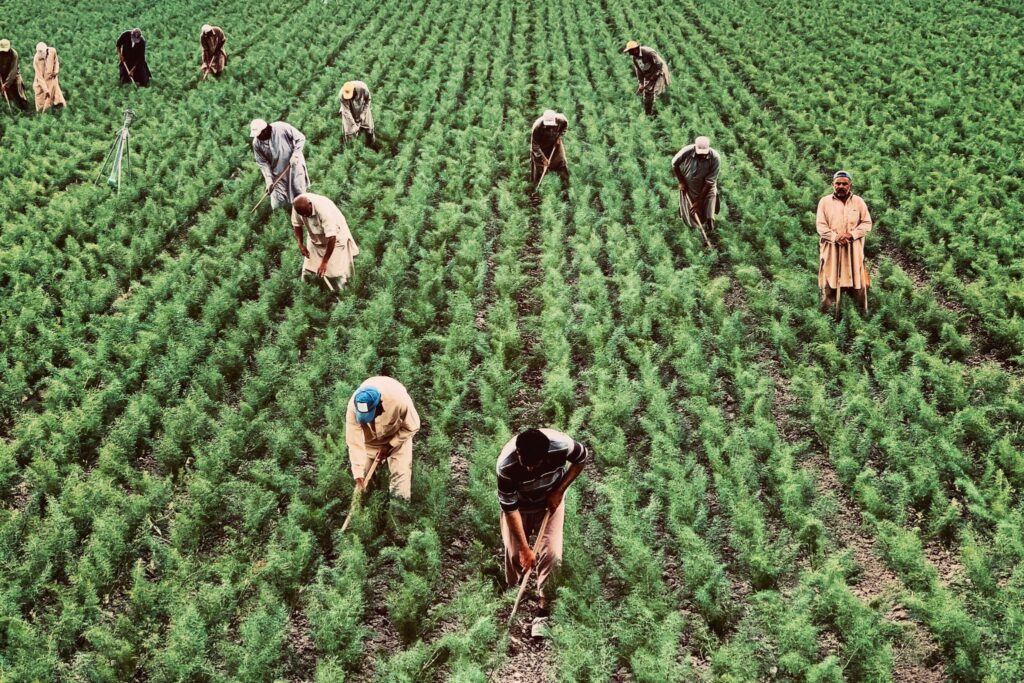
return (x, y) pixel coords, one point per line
(549, 556)
(400, 467)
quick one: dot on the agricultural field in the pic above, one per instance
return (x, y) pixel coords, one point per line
(773, 494)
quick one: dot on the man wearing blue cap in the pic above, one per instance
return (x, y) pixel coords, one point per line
(843, 223)
(379, 423)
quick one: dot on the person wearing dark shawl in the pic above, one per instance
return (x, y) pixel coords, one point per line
(11, 85)
(131, 55)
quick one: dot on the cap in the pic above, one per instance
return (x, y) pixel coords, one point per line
(631, 45)
(348, 90)
(550, 117)
(5, 45)
(136, 33)
(701, 145)
(842, 174)
(256, 127)
(207, 28)
(366, 401)
(41, 47)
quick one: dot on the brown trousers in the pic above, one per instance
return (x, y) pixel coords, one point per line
(549, 556)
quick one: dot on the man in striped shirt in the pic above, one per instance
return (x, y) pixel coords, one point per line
(532, 480)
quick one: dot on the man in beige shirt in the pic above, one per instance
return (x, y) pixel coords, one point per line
(46, 85)
(380, 423)
(329, 248)
(843, 223)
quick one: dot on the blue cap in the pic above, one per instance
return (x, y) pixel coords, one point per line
(366, 401)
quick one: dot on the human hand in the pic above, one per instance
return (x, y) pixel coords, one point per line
(360, 484)
(555, 499)
(303, 250)
(526, 558)
(322, 268)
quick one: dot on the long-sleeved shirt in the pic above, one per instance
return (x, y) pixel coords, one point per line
(697, 172)
(648, 65)
(395, 425)
(842, 265)
(274, 155)
(545, 137)
(521, 489)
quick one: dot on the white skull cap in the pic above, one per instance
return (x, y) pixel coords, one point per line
(550, 117)
(256, 127)
(702, 145)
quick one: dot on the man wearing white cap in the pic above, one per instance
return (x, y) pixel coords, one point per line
(278, 150)
(212, 40)
(651, 73)
(46, 87)
(355, 111)
(11, 85)
(329, 248)
(696, 169)
(546, 148)
(131, 55)
(380, 423)
(843, 223)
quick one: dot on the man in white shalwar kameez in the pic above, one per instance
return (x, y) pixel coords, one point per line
(329, 248)
(278, 150)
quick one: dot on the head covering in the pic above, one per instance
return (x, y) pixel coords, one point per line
(550, 117)
(5, 45)
(631, 45)
(136, 34)
(41, 47)
(256, 127)
(366, 401)
(207, 28)
(348, 90)
(842, 174)
(701, 144)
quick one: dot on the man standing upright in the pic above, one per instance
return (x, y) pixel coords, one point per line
(329, 249)
(355, 111)
(46, 87)
(11, 85)
(278, 150)
(212, 40)
(651, 73)
(380, 423)
(546, 148)
(131, 55)
(532, 480)
(696, 169)
(843, 222)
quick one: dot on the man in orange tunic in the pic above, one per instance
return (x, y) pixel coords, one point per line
(843, 223)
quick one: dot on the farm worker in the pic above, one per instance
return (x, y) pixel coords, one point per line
(843, 223)
(380, 423)
(329, 248)
(46, 86)
(651, 73)
(355, 111)
(212, 39)
(278, 150)
(546, 148)
(696, 169)
(131, 55)
(532, 480)
(11, 85)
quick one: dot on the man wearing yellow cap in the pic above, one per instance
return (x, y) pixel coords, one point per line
(843, 223)
(355, 111)
(546, 148)
(11, 85)
(212, 39)
(651, 73)
(380, 423)
(46, 87)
